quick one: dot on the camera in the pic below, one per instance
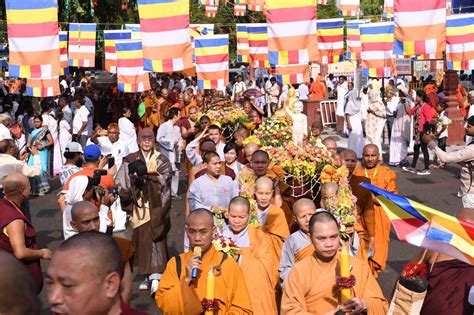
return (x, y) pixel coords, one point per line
(95, 183)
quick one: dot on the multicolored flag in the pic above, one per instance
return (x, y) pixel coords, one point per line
(256, 5)
(425, 227)
(291, 29)
(323, 2)
(348, 7)
(81, 50)
(460, 42)
(258, 45)
(242, 43)
(43, 87)
(240, 7)
(377, 49)
(420, 28)
(63, 61)
(330, 40)
(136, 31)
(211, 7)
(353, 38)
(131, 77)
(109, 47)
(165, 35)
(33, 38)
(212, 61)
(292, 74)
(199, 30)
(388, 9)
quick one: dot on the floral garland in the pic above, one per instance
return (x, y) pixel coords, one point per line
(210, 305)
(225, 245)
(274, 132)
(345, 282)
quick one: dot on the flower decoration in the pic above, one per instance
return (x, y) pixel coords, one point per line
(210, 305)
(331, 174)
(346, 282)
(225, 245)
(253, 139)
(274, 132)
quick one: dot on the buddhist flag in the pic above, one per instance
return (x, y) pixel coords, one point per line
(135, 28)
(131, 77)
(460, 42)
(377, 49)
(388, 9)
(425, 227)
(242, 43)
(199, 30)
(33, 38)
(353, 38)
(292, 74)
(291, 31)
(43, 87)
(240, 7)
(212, 61)
(109, 47)
(330, 40)
(81, 51)
(165, 35)
(348, 7)
(63, 61)
(256, 5)
(211, 7)
(323, 2)
(258, 45)
(420, 28)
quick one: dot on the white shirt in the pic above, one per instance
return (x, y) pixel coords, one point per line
(128, 134)
(67, 114)
(238, 87)
(82, 115)
(52, 124)
(4, 132)
(392, 105)
(303, 91)
(117, 149)
(90, 120)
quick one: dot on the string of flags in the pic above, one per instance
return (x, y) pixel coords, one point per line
(166, 42)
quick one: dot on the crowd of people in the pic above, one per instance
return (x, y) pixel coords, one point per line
(119, 159)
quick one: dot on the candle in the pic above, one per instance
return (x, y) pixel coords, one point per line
(210, 288)
(344, 264)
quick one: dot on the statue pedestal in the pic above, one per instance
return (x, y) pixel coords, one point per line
(456, 129)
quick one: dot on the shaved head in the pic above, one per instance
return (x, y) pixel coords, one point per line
(19, 294)
(371, 156)
(249, 150)
(200, 229)
(321, 217)
(331, 145)
(200, 214)
(347, 153)
(208, 146)
(80, 207)
(349, 160)
(328, 195)
(303, 203)
(371, 147)
(329, 187)
(14, 183)
(263, 181)
(239, 201)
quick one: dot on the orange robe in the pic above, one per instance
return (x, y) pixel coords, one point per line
(174, 296)
(317, 91)
(382, 177)
(257, 267)
(277, 228)
(365, 225)
(310, 287)
(304, 252)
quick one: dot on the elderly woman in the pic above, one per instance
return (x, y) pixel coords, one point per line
(353, 115)
(376, 117)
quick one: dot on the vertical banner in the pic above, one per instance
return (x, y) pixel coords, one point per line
(42, 87)
(240, 7)
(377, 49)
(199, 30)
(242, 43)
(353, 38)
(291, 32)
(420, 28)
(211, 7)
(330, 40)
(63, 61)
(81, 51)
(212, 61)
(165, 35)
(131, 77)
(460, 42)
(33, 38)
(348, 7)
(109, 47)
(292, 74)
(258, 45)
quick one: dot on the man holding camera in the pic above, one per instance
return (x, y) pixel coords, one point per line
(144, 182)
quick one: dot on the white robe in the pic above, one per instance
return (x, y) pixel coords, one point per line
(64, 137)
(356, 140)
(400, 138)
(128, 134)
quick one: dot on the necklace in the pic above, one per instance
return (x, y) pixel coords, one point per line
(374, 176)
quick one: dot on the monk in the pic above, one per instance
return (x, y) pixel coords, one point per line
(365, 219)
(270, 217)
(311, 286)
(255, 257)
(179, 293)
(298, 245)
(384, 178)
(318, 89)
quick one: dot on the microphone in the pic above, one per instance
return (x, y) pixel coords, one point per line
(196, 252)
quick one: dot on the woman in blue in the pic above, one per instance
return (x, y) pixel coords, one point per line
(40, 138)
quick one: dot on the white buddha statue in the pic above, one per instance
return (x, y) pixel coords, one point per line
(300, 123)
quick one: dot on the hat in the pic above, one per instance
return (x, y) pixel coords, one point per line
(73, 147)
(403, 89)
(91, 152)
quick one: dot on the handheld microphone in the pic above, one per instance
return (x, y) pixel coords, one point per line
(196, 252)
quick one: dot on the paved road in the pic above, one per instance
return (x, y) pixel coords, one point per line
(438, 191)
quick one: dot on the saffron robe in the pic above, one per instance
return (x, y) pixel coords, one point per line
(175, 296)
(311, 287)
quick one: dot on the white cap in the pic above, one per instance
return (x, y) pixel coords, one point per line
(74, 147)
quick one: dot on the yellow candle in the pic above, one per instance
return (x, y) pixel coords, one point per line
(344, 264)
(210, 288)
